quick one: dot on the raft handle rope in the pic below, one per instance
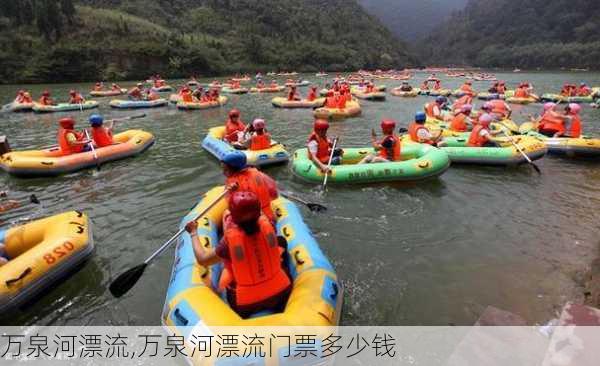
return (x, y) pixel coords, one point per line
(23, 275)
(299, 260)
(182, 319)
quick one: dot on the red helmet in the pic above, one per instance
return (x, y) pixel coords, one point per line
(244, 207)
(72, 92)
(321, 125)
(68, 123)
(234, 113)
(388, 125)
(258, 124)
(46, 93)
(485, 120)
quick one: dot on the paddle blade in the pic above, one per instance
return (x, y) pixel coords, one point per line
(136, 116)
(33, 199)
(315, 207)
(537, 169)
(127, 280)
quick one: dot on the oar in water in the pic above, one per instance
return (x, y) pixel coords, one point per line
(315, 207)
(91, 143)
(324, 186)
(537, 169)
(128, 279)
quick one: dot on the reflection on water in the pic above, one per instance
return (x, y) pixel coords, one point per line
(434, 252)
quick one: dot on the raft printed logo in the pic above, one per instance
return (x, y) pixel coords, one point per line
(58, 252)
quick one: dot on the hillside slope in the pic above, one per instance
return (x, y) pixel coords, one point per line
(68, 40)
(514, 33)
(410, 19)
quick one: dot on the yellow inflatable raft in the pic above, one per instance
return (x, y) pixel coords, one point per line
(214, 143)
(202, 105)
(268, 89)
(515, 100)
(49, 162)
(352, 110)
(40, 253)
(397, 92)
(281, 102)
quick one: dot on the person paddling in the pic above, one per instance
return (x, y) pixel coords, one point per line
(319, 147)
(75, 97)
(421, 134)
(254, 275)
(69, 140)
(481, 135)
(234, 127)
(136, 93)
(102, 135)
(434, 109)
(45, 99)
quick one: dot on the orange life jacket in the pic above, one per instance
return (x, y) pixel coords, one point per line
(466, 88)
(475, 140)
(102, 136)
(437, 85)
(135, 92)
(252, 180)
(26, 99)
(187, 97)
(77, 99)
(341, 102)
(584, 91)
(330, 102)
(459, 123)
(63, 143)
(260, 142)
(312, 95)
(413, 129)
(499, 108)
(464, 100)
(323, 147)
(255, 263)
(231, 129)
(521, 93)
(575, 126)
(45, 100)
(551, 124)
(425, 86)
(392, 154)
(430, 110)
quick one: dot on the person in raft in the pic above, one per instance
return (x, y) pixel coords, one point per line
(481, 135)
(255, 274)
(552, 123)
(137, 92)
(258, 137)
(461, 122)
(102, 135)
(319, 147)
(405, 87)
(99, 86)
(69, 140)
(584, 90)
(419, 133)
(293, 94)
(23, 97)
(312, 94)
(574, 128)
(388, 148)
(237, 171)
(115, 87)
(45, 99)
(75, 97)
(434, 109)
(234, 127)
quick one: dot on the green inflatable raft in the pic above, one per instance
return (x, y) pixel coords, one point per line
(419, 162)
(506, 154)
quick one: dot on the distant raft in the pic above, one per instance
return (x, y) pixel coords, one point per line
(214, 144)
(282, 102)
(374, 96)
(516, 100)
(202, 105)
(64, 107)
(162, 89)
(270, 89)
(557, 98)
(582, 147)
(419, 162)
(352, 109)
(136, 104)
(107, 93)
(49, 162)
(397, 92)
(439, 92)
(229, 90)
(299, 84)
(18, 107)
(41, 253)
(507, 154)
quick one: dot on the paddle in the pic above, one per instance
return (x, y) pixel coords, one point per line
(314, 207)
(91, 143)
(324, 186)
(128, 279)
(128, 118)
(537, 169)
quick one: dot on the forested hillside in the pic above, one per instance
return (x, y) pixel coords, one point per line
(70, 40)
(410, 19)
(524, 34)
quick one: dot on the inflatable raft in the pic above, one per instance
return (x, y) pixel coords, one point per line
(49, 162)
(18, 107)
(276, 89)
(214, 144)
(64, 107)
(302, 83)
(135, 104)
(420, 162)
(507, 154)
(458, 93)
(490, 96)
(40, 253)
(515, 100)
(206, 105)
(193, 303)
(374, 96)
(557, 98)
(582, 147)
(397, 92)
(229, 90)
(282, 102)
(162, 89)
(352, 109)
(107, 93)
(440, 92)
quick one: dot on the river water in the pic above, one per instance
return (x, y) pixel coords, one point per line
(432, 253)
